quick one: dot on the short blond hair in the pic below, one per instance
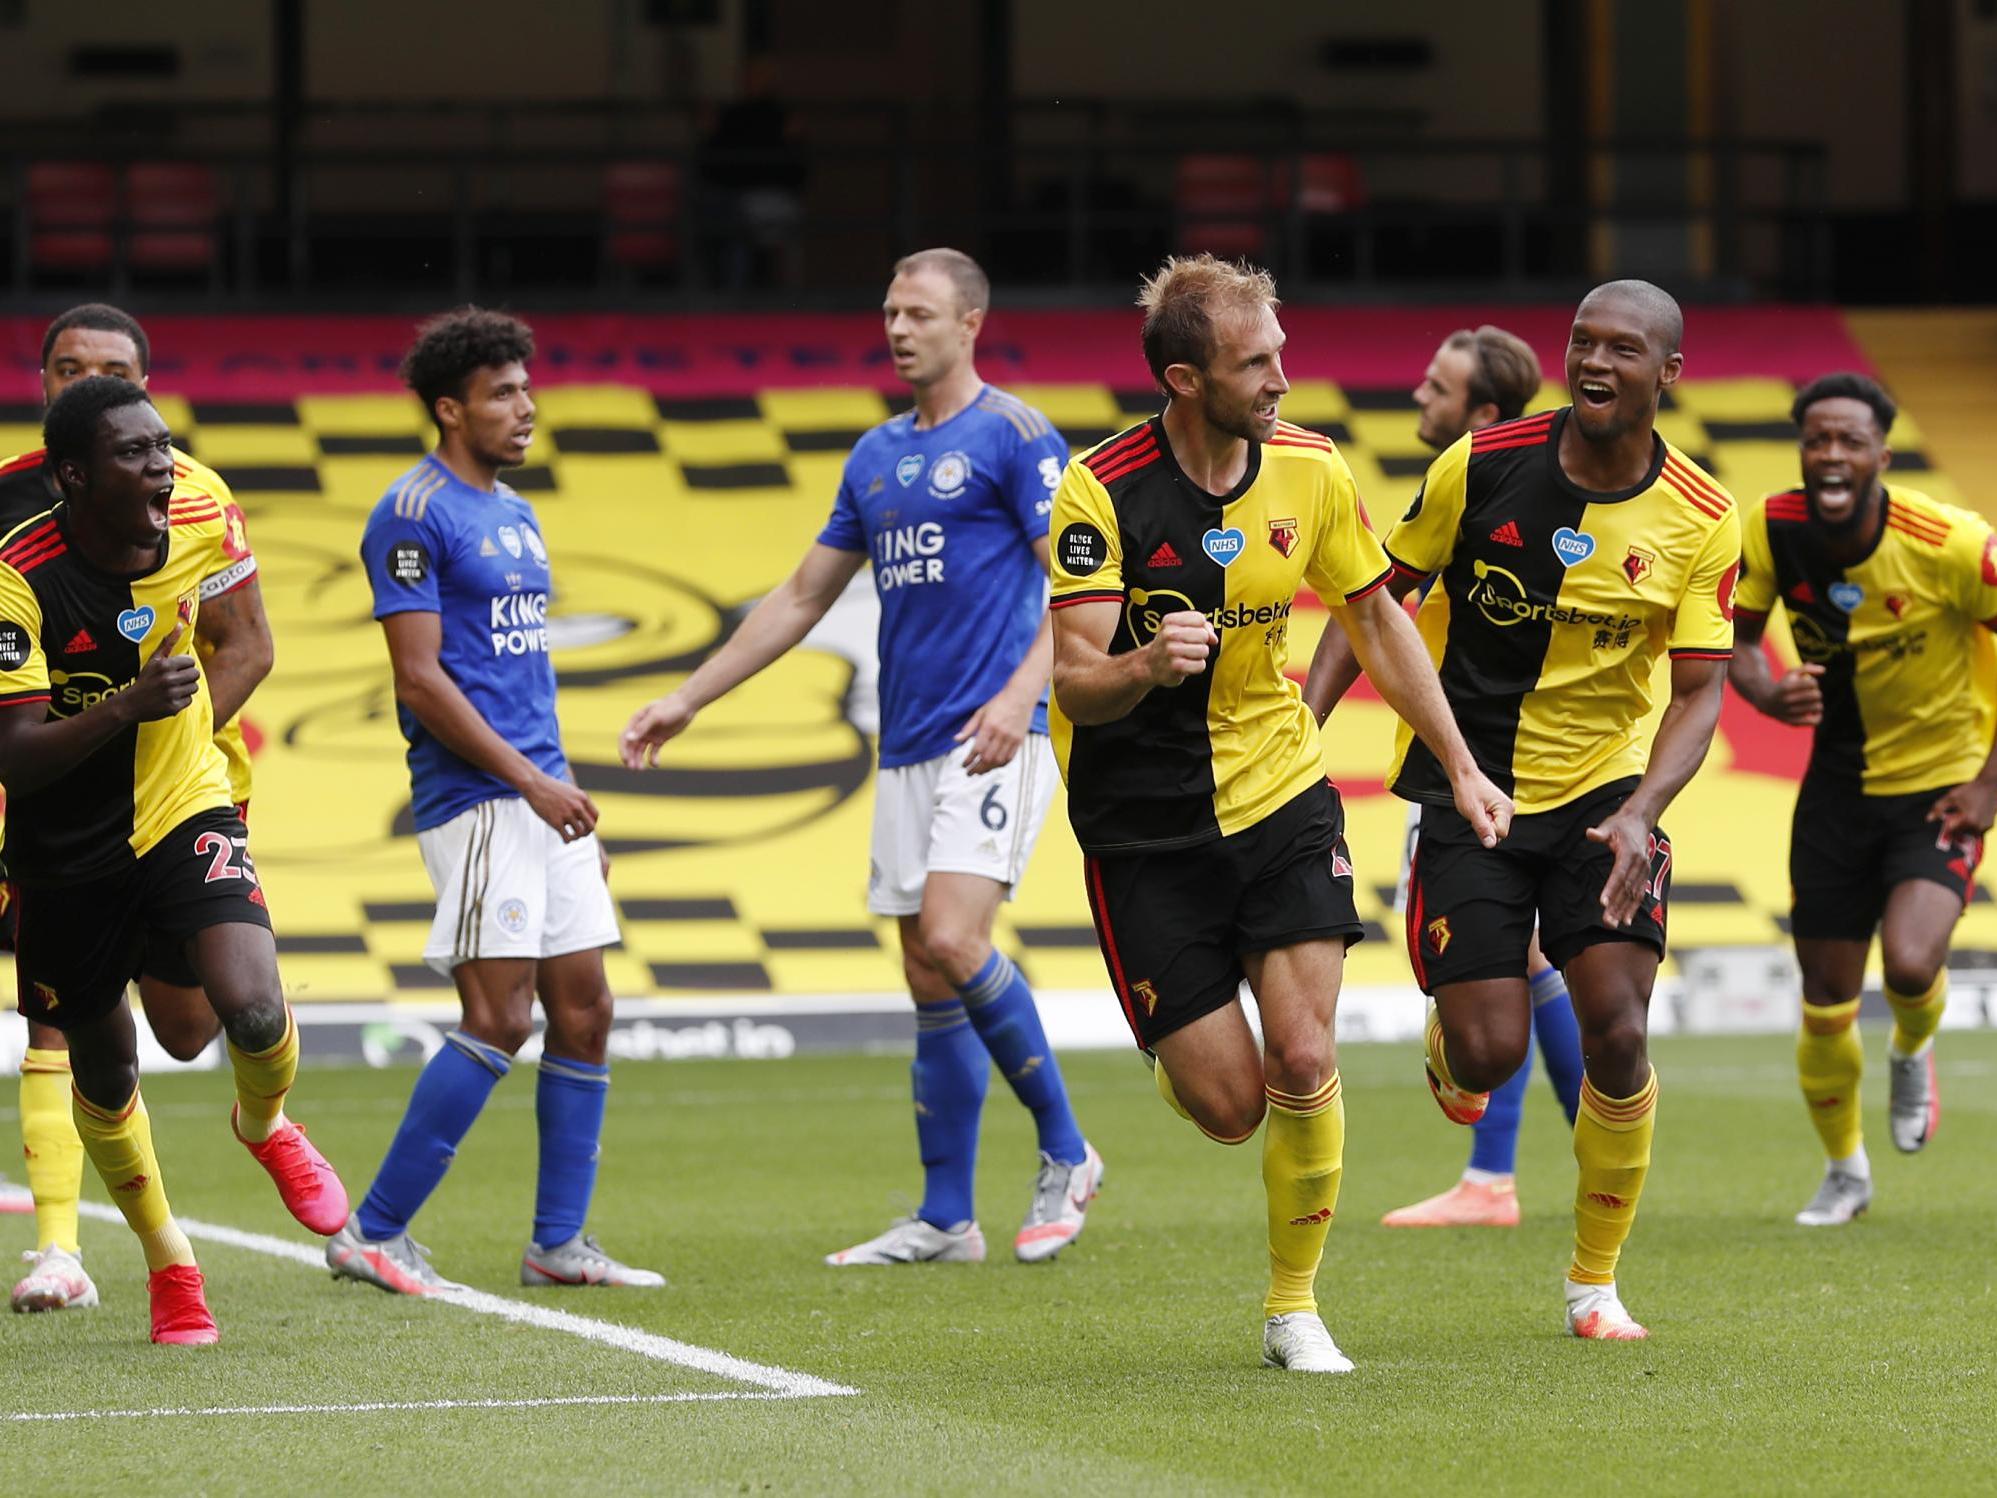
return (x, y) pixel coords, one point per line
(1183, 298)
(974, 287)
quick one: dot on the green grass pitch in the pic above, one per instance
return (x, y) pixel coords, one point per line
(1781, 1360)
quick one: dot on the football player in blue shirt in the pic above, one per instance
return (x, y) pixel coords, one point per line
(461, 584)
(949, 504)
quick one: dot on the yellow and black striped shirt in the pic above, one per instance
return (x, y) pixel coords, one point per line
(1223, 749)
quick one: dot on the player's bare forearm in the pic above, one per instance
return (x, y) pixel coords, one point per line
(442, 708)
(1334, 668)
(1094, 687)
(1027, 682)
(241, 653)
(781, 619)
(1383, 640)
(1335, 665)
(1684, 734)
(1748, 671)
(35, 753)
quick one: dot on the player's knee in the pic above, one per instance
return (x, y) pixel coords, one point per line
(580, 1027)
(1618, 1056)
(1909, 967)
(1231, 1118)
(1299, 1063)
(186, 1037)
(1481, 1060)
(256, 1025)
(955, 951)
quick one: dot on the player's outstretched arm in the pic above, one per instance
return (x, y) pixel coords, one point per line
(1972, 806)
(1384, 641)
(999, 727)
(1683, 736)
(1793, 697)
(34, 752)
(1334, 665)
(426, 689)
(776, 624)
(1093, 686)
(236, 631)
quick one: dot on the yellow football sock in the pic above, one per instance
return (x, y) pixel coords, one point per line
(1303, 1158)
(1171, 1098)
(1612, 1147)
(120, 1145)
(49, 1141)
(262, 1080)
(1829, 1062)
(1917, 1016)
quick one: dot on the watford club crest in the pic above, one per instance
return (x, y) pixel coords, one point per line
(1142, 991)
(1636, 566)
(1438, 935)
(1283, 535)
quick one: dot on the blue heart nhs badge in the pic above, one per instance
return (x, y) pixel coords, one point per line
(1572, 546)
(1846, 596)
(909, 469)
(1224, 546)
(134, 623)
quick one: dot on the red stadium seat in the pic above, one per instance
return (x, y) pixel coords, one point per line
(72, 216)
(1222, 203)
(641, 210)
(1331, 184)
(174, 208)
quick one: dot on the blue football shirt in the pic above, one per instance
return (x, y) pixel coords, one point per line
(948, 518)
(475, 559)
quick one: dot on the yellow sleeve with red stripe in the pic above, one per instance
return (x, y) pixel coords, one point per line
(1085, 559)
(1703, 627)
(24, 671)
(1423, 540)
(1757, 590)
(1347, 562)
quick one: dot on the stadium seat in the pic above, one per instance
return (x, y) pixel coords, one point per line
(72, 216)
(1221, 204)
(641, 210)
(174, 209)
(1329, 183)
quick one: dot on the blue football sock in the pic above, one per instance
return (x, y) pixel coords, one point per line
(451, 1089)
(1001, 1008)
(568, 1106)
(1559, 1037)
(950, 1075)
(1494, 1138)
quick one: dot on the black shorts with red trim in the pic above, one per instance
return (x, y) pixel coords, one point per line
(1848, 850)
(1174, 925)
(1471, 909)
(78, 945)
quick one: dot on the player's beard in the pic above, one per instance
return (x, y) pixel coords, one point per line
(1861, 512)
(1238, 421)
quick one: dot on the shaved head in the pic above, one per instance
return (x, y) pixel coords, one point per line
(1657, 309)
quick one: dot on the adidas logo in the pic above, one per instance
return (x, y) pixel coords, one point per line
(1321, 1215)
(80, 643)
(1508, 534)
(135, 1185)
(1164, 556)
(1803, 593)
(486, 548)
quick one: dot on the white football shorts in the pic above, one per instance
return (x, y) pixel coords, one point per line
(933, 818)
(508, 886)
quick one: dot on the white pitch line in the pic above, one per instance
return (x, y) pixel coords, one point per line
(380, 1406)
(624, 1338)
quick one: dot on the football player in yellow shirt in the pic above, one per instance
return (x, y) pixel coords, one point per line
(1891, 599)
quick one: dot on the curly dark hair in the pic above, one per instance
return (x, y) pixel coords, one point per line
(1846, 385)
(450, 349)
(100, 317)
(69, 430)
